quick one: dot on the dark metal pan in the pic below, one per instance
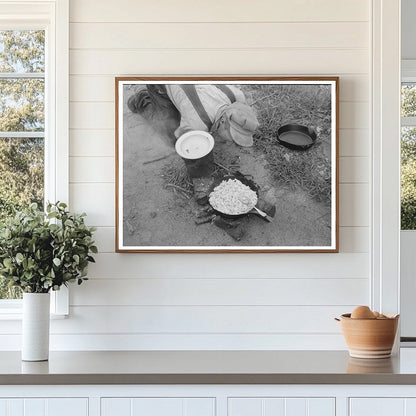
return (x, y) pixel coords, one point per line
(296, 136)
(250, 209)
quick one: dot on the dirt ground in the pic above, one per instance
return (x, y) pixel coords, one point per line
(157, 216)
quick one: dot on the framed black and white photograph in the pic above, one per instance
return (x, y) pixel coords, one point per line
(236, 164)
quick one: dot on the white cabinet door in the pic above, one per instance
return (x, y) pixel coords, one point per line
(160, 406)
(44, 407)
(268, 406)
(382, 406)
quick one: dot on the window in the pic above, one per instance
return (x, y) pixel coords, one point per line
(33, 111)
(22, 124)
(408, 151)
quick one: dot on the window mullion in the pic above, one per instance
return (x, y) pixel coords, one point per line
(22, 134)
(22, 75)
(408, 121)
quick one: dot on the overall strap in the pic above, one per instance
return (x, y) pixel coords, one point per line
(227, 91)
(193, 97)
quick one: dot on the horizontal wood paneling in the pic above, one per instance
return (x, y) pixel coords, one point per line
(354, 170)
(230, 301)
(218, 11)
(352, 239)
(354, 115)
(105, 239)
(98, 88)
(96, 199)
(92, 88)
(201, 319)
(354, 87)
(219, 62)
(92, 115)
(101, 87)
(218, 35)
(93, 143)
(220, 291)
(92, 169)
(195, 320)
(166, 341)
(354, 208)
(267, 265)
(354, 142)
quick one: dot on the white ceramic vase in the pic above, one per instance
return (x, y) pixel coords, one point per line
(35, 326)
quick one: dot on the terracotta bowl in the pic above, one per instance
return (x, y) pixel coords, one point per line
(369, 338)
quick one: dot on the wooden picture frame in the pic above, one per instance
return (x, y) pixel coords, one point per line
(289, 159)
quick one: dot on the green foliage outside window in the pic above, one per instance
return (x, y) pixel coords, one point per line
(408, 179)
(408, 160)
(21, 110)
(408, 104)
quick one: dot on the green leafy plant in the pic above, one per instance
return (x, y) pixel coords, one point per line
(43, 251)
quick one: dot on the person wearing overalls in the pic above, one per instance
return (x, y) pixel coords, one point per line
(219, 109)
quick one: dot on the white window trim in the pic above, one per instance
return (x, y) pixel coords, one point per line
(385, 253)
(52, 15)
(409, 70)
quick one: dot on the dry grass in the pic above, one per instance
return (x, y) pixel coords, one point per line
(176, 178)
(309, 105)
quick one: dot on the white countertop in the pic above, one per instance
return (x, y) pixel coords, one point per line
(208, 367)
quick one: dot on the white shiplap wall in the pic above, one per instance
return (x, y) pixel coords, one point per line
(218, 301)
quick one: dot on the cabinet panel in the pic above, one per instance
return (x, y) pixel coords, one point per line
(159, 406)
(275, 407)
(296, 407)
(15, 407)
(3, 408)
(67, 407)
(377, 407)
(410, 406)
(44, 407)
(269, 406)
(245, 407)
(199, 407)
(318, 407)
(119, 407)
(383, 407)
(34, 407)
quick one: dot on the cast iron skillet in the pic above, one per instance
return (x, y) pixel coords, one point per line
(296, 136)
(250, 184)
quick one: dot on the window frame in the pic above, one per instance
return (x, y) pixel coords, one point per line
(385, 156)
(53, 17)
(408, 75)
